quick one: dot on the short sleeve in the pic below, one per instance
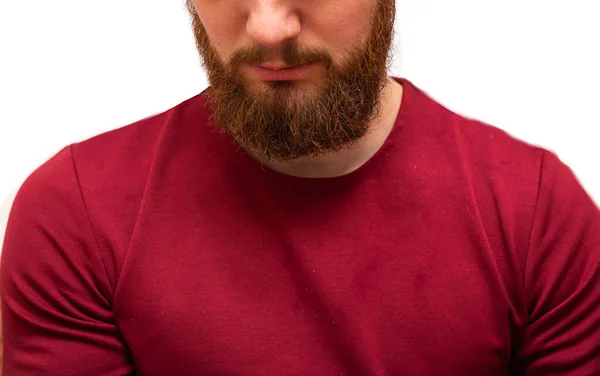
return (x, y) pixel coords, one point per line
(562, 279)
(56, 300)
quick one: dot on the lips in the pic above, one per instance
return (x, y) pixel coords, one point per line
(281, 72)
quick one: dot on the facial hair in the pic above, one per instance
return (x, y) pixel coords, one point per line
(282, 122)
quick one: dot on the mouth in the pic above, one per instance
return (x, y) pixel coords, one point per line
(281, 72)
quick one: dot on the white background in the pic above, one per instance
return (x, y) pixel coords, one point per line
(70, 69)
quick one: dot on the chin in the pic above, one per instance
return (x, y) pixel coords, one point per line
(295, 90)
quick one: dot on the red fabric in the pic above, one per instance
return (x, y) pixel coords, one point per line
(161, 249)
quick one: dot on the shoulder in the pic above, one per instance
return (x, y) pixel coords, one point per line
(110, 163)
(481, 147)
(135, 143)
(92, 190)
(113, 168)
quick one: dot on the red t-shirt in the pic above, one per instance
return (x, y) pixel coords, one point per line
(162, 249)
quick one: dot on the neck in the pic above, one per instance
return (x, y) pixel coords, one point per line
(349, 159)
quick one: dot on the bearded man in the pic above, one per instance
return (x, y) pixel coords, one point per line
(306, 214)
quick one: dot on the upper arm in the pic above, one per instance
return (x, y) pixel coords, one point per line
(562, 279)
(56, 300)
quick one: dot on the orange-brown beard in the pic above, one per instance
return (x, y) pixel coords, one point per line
(280, 123)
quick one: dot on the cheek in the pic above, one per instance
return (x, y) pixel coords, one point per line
(344, 25)
(222, 24)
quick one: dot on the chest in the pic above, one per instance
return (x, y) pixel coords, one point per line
(349, 294)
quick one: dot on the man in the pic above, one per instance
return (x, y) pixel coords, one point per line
(306, 214)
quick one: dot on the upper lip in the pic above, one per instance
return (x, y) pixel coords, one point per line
(276, 67)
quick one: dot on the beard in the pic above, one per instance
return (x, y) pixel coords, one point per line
(283, 122)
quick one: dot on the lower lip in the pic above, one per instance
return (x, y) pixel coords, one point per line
(286, 74)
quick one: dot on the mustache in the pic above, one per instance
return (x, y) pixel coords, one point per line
(289, 53)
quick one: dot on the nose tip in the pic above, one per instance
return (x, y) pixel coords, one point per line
(270, 26)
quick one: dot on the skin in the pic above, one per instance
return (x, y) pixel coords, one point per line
(334, 26)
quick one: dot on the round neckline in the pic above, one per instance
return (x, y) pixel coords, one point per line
(246, 162)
